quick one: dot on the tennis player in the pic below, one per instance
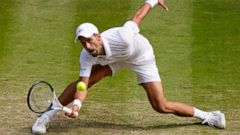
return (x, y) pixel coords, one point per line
(105, 53)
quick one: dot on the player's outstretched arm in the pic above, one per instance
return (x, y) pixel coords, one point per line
(145, 8)
(80, 95)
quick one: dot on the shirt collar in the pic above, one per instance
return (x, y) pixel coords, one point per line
(107, 49)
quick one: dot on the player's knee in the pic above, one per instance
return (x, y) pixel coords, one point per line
(161, 108)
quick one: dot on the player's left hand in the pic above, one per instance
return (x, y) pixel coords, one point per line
(75, 110)
(162, 4)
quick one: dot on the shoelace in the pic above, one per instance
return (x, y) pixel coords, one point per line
(211, 120)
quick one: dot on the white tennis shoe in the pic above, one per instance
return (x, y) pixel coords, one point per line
(41, 125)
(215, 119)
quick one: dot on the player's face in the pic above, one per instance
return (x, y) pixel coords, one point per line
(93, 45)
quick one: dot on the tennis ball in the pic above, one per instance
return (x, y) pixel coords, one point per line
(81, 86)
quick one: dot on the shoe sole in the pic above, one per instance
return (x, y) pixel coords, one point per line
(37, 132)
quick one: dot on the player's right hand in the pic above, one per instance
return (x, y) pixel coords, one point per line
(74, 113)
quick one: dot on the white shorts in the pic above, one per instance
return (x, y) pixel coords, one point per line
(143, 65)
(145, 73)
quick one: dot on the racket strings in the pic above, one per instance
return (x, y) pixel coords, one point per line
(41, 97)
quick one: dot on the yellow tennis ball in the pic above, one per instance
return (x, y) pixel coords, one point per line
(81, 86)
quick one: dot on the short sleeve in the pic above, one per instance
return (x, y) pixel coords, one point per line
(128, 31)
(131, 26)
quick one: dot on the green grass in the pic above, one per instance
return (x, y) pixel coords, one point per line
(196, 48)
(217, 36)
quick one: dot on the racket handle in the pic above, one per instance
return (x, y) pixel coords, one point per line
(67, 110)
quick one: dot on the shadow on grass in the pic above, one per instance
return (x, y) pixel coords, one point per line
(68, 125)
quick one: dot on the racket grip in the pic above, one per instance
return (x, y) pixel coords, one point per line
(67, 110)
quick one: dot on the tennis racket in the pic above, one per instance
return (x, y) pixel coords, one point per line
(41, 98)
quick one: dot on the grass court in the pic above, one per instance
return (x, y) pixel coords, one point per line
(196, 45)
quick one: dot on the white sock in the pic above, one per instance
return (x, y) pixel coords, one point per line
(49, 114)
(200, 114)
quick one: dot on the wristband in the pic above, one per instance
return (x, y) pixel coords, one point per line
(152, 2)
(78, 103)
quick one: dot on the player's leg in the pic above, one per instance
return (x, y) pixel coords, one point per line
(161, 104)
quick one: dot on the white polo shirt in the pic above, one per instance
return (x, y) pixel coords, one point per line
(124, 47)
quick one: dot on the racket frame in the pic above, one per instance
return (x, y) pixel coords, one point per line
(57, 106)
